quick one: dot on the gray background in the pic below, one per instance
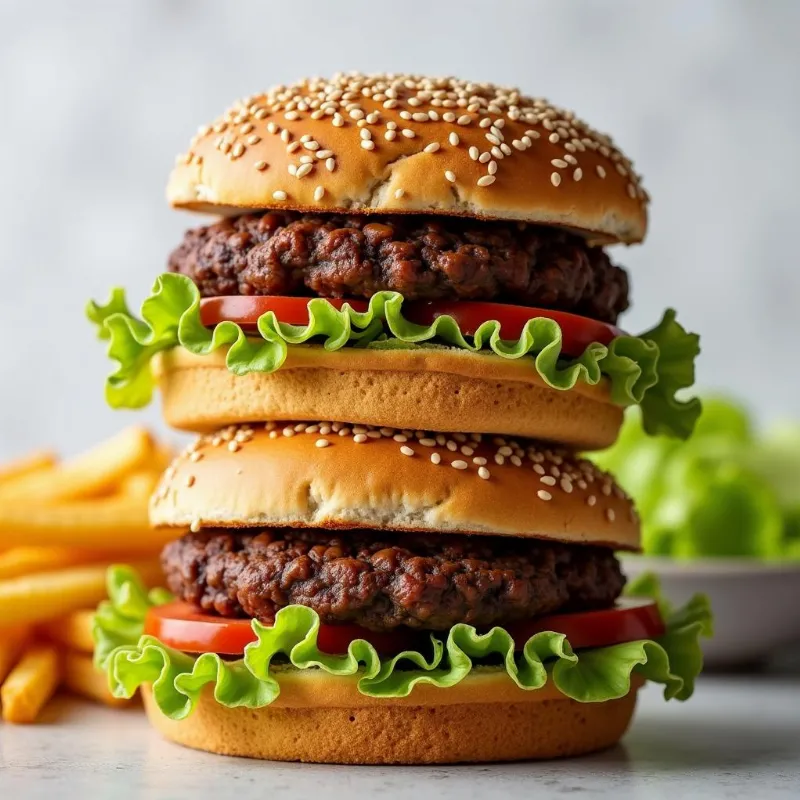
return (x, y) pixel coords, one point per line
(97, 98)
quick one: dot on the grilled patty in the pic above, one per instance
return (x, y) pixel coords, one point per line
(382, 581)
(422, 257)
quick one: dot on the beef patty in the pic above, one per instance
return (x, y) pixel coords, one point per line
(381, 581)
(422, 257)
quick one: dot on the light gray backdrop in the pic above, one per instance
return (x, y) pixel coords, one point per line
(98, 97)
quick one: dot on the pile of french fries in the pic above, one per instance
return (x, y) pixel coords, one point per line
(61, 524)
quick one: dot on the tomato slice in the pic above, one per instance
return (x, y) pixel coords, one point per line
(181, 626)
(631, 619)
(577, 332)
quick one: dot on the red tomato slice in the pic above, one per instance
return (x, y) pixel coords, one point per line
(181, 626)
(631, 619)
(577, 332)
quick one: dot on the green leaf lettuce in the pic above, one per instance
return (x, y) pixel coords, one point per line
(594, 675)
(646, 370)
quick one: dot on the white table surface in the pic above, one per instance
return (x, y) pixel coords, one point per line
(737, 737)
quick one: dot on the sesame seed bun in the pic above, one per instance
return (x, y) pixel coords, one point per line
(403, 143)
(323, 719)
(327, 475)
(423, 389)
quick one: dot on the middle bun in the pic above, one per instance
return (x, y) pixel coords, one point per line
(387, 479)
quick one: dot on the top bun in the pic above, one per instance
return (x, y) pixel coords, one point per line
(406, 143)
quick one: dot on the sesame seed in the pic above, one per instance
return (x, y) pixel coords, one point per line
(498, 153)
(544, 495)
(330, 164)
(538, 469)
(288, 432)
(459, 464)
(505, 450)
(260, 165)
(559, 162)
(323, 154)
(344, 431)
(554, 138)
(195, 526)
(398, 193)
(591, 500)
(419, 116)
(319, 193)
(464, 119)
(291, 115)
(431, 148)
(321, 443)
(479, 460)
(368, 144)
(303, 170)
(566, 485)
(486, 180)
(492, 167)
(233, 446)
(408, 133)
(427, 442)
(253, 139)
(272, 128)
(286, 136)
(484, 473)
(492, 138)
(516, 461)
(365, 134)
(390, 136)
(451, 446)
(474, 153)
(548, 480)
(451, 176)
(499, 460)
(406, 451)
(279, 195)
(454, 139)
(484, 157)
(190, 481)
(436, 458)
(631, 191)
(610, 515)
(485, 122)
(466, 450)
(360, 438)
(399, 437)
(195, 456)
(555, 179)
(578, 174)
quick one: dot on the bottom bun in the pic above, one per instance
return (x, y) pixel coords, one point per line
(539, 725)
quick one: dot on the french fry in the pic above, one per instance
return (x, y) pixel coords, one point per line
(115, 524)
(12, 642)
(35, 598)
(139, 485)
(92, 473)
(81, 677)
(73, 630)
(31, 683)
(27, 560)
(35, 462)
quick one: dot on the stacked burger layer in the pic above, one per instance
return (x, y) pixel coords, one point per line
(394, 343)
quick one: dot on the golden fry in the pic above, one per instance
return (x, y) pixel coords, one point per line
(74, 630)
(115, 524)
(12, 642)
(95, 472)
(35, 462)
(81, 677)
(30, 684)
(26, 560)
(35, 598)
(139, 485)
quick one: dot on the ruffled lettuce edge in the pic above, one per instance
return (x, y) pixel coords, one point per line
(132, 659)
(647, 370)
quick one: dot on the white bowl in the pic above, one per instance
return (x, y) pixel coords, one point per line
(756, 605)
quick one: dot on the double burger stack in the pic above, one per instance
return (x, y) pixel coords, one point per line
(394, 343)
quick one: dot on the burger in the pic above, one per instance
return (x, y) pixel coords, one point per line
(393, 342)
